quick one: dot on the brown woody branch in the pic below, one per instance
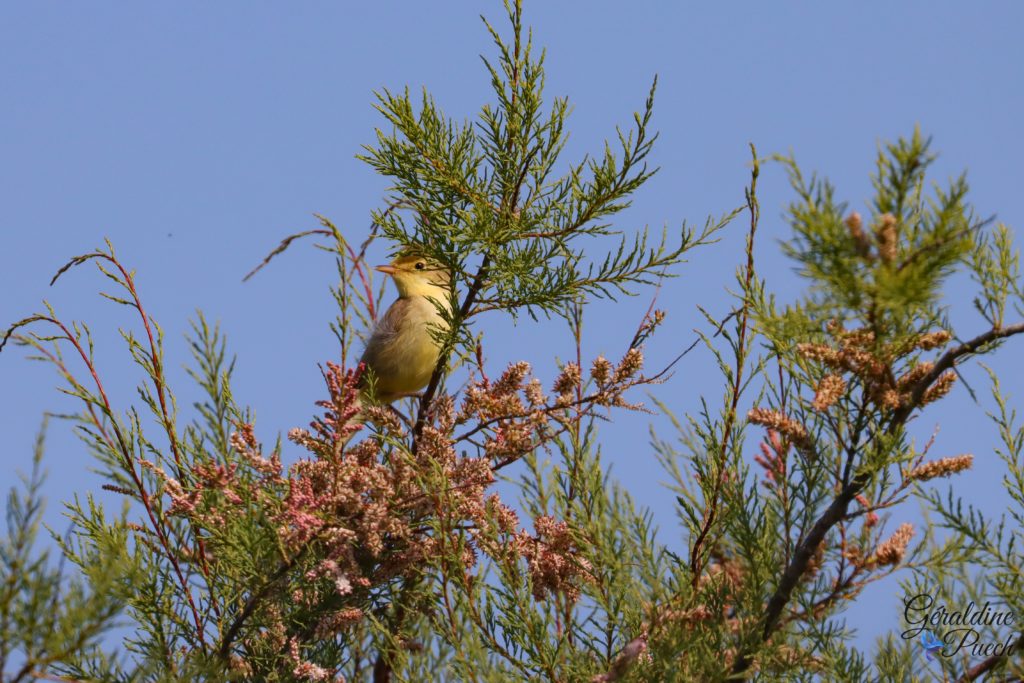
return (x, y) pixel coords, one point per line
(435, 379)
(837, 510)
(949, 359)
(992, 662)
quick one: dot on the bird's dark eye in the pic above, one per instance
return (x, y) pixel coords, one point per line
(420, 265)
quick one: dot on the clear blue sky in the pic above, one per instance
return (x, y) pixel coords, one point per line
(195, 135)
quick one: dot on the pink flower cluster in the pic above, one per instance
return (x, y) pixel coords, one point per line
(773, 458)
(354, 515)
(553, 559)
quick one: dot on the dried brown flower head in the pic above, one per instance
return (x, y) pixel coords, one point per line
(830, 389)
(629, 365)
(601, 370)
(891, 551)
(788, 427)
(567, 383)
(887, 235)
(534, 392)
(822, 353)
(942, 386)
(914, 375)
(860, 240)
(857, 352)
(943, 467)
(933, 340)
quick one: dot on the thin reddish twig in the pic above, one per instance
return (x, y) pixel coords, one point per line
(730, 418)
(160, 384)
(125, 452)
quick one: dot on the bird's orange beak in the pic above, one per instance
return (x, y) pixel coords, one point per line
(390, 270)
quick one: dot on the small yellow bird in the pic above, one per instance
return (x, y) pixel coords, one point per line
(402, 353)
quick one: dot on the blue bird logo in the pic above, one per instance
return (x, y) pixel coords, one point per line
(932, 645)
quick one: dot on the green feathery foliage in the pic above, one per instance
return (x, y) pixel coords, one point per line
(49, 615)
(851, 365)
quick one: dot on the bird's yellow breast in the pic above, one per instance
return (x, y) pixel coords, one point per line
(415, 348)
(403, 360)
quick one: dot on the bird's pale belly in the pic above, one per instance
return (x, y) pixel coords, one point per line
(414, 360)
(411, 356)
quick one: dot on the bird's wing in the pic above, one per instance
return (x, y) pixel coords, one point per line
(385, 333)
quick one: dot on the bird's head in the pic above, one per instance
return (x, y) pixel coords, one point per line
(416, 275)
